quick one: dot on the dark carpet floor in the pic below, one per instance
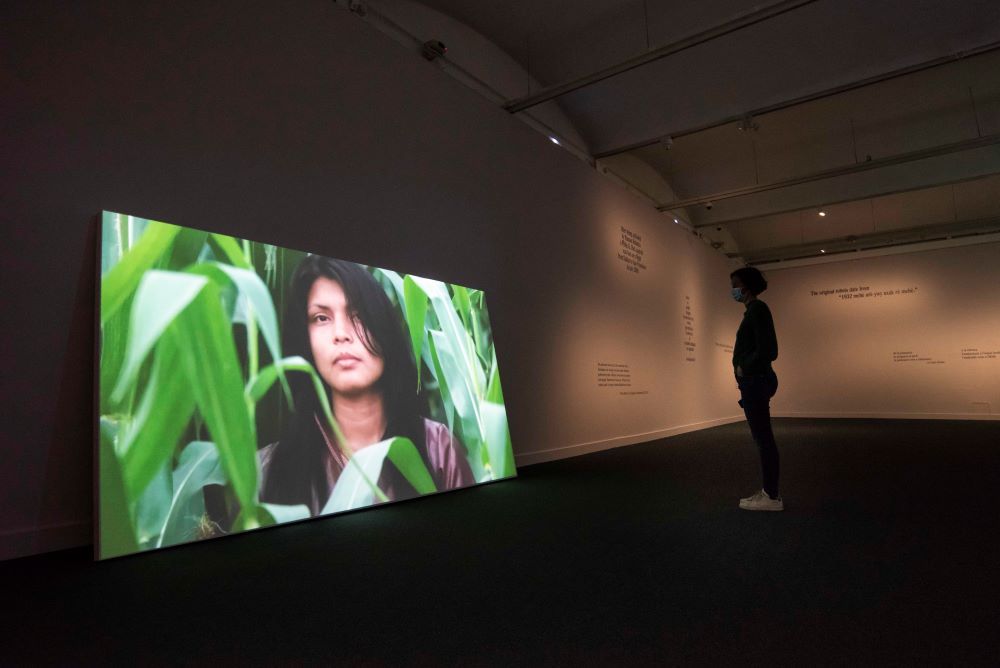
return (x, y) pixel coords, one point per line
(887, 554)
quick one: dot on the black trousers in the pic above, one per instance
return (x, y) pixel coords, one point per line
(755, 398)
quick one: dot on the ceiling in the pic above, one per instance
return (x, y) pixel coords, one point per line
(757, 116)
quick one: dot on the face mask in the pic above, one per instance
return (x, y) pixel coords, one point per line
(737, 294)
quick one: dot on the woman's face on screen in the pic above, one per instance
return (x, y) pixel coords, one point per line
(337, 339)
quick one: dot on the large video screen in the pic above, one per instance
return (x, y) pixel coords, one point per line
(243, 385)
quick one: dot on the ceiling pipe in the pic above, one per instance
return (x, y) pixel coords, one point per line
(811, 97)
(902, 158)
(552, 92)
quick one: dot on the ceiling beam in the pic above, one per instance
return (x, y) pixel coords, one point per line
(811, 97)
(898, 249)
(838, 246)
(901, 158)
(745, 21)
(826, 203)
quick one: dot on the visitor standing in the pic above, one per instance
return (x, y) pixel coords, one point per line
(756, 347)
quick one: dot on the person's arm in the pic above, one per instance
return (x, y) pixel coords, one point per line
(765, 340)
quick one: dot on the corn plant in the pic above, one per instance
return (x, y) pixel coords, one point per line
(450, 332)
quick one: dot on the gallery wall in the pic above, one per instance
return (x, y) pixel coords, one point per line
(913, 335)
(298, 124)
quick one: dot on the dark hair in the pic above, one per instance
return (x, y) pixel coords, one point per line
(296, 467)
(751, 278)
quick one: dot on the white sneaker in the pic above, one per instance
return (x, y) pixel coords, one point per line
(761, 501)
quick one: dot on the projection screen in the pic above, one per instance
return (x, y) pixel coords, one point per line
(243, 385)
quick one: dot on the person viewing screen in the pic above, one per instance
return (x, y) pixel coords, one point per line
(756, 347)
(340, 320)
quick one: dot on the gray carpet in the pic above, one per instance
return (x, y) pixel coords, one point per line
(886, 554)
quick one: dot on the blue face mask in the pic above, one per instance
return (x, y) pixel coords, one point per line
(737, 294)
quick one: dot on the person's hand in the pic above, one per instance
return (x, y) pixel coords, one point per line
(739, 372)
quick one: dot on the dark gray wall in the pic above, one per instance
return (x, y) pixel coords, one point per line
(293, 123)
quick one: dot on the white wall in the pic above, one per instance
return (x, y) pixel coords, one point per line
(609, 315)
(298, 124)
(894, 355)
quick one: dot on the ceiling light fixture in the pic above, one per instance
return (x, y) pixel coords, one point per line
(554, 141)
(822, 214)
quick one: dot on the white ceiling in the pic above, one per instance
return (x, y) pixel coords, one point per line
(813, 48)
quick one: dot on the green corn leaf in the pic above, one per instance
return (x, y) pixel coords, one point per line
(279, 514)
(160, 298)
(269, 514)
(396, 281)
(197, 466)
(460, 300)
(227, 248)
(404, 455)
(251, 517)
(159, 422)
(251, 288)
(259, 386)
(121, 281)
(202, 334)
(352, 491)
(116, 535)
(229, 293)
(111, 242)
(187, 247)
(494, 392)
(114, 341)
(151, 508)
(497, 439)
(270, 263)
(453, 328)
(482, 342)
(460, 390)
(442, 380)
(466, 405)
(416, 315)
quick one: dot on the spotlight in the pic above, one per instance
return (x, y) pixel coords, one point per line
(554, 141)
(822, 214)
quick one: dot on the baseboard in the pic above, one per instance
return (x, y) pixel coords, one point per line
(551, 454)
(888, 416)
(24, 542)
